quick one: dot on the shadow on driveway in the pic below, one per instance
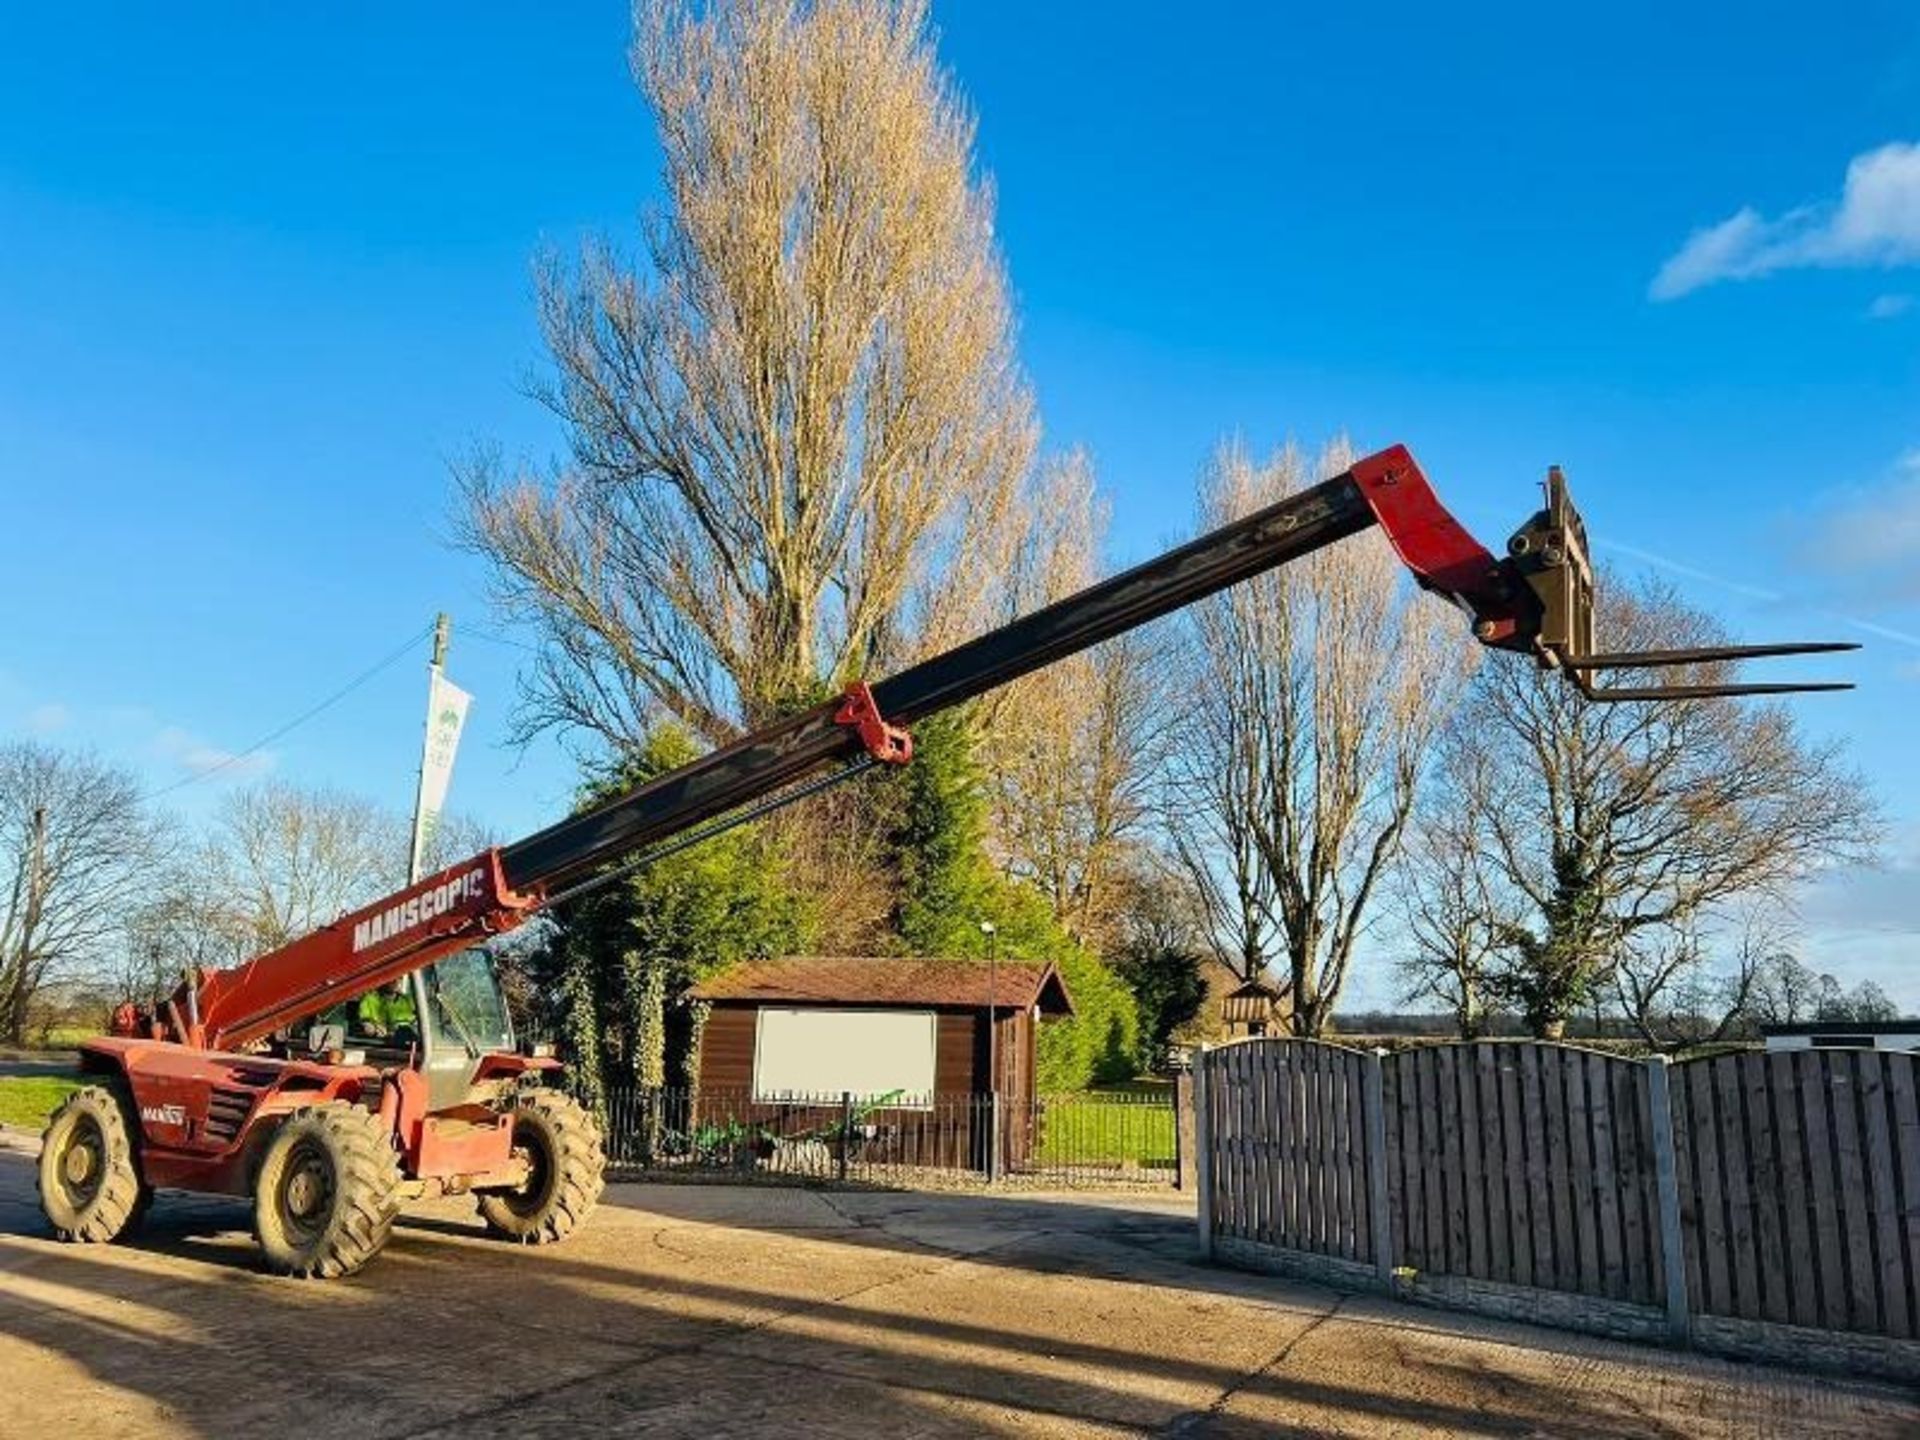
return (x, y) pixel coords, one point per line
(685, 1310)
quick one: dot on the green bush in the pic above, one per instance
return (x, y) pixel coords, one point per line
(627, 955)
(1100, 1044)
(949, 884)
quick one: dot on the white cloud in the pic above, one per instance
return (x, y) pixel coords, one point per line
(1870, 539)
(1876, 221)
(197, 757)
(46, 719)
(1882, 898)
(1889, 307)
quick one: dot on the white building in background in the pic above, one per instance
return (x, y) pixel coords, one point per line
(1903, 1035)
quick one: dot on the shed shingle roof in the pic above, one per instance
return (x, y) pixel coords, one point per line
(889, 980)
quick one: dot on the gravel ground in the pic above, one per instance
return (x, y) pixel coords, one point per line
(705, 1310)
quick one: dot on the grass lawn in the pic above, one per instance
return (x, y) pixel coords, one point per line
(26, 1100)
(1113, 1126)
(65, 1037)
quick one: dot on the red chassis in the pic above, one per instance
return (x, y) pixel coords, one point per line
(205, 1089)
(203, 1113)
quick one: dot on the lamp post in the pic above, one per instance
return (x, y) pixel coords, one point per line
(991, 931)
(988, 929)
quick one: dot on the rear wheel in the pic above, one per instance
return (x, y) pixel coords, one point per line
(560, 1143)
(327, 1192)
(89, 1175)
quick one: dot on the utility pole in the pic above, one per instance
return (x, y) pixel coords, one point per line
(417, 845)
(14, 1005)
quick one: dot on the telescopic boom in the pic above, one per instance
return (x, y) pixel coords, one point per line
(1536, 600)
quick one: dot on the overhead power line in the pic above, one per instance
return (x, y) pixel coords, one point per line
(398, 653)
(493, 637)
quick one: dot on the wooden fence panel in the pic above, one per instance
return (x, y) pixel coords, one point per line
(1513, 1164)
(1526, 1164)
(1289, 1146)
(1800, 1195)
(1433, 1182)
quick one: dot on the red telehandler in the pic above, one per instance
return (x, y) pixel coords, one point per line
(263, 1080)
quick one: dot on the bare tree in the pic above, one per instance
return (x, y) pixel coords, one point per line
(1318, 689)
(1214, 797)
(278, 862)
(1679, 989)
(285, 860)
(191, 921)
(805, 403)
(1447, 914)
(1786, 991)
(1071, 750)
(1865, 1004)
(77, 852)
(1612, 829)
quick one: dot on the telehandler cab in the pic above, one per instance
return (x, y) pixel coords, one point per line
(270, 1079)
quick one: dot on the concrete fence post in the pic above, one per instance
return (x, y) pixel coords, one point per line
(1185, 1172)
(1673, 1258)
(1203, 1150)
(1379, 1224)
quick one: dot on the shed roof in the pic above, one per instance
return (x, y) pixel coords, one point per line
(890, 980)
(1257, 989)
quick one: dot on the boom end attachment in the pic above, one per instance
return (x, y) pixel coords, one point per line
(1537, 599)
(1550, 554)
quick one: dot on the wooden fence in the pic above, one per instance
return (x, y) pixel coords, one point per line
(1799, 1176)
(1287, 1131)
(1527, 1164)
(1781, 1188)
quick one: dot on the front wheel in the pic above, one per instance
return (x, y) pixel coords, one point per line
(89, 1176)
(327, 1192)
(560, 1144)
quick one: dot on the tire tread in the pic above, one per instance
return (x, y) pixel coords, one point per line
(581, 1164)
(123, 1199)
(367, 1187)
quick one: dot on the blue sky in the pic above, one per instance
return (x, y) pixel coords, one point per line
(265, 269)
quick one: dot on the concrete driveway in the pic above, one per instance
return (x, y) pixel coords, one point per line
(693, 1310)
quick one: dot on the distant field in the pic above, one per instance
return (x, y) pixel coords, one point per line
(57, 1037)
(27, 1100)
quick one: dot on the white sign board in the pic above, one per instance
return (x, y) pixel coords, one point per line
(823, 1054)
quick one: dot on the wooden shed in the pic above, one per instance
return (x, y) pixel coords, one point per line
(907, 1037)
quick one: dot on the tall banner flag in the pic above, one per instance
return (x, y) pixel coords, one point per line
(446, 715)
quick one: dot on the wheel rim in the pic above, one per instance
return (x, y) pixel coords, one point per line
(305, 1196)
(530, 1195)
(82, 1165)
